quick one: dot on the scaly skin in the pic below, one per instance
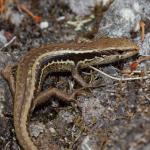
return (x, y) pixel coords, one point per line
(28, 73)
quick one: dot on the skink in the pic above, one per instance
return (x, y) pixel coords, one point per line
(71, 57)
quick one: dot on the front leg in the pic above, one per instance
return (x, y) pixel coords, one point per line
(78, 78)
(81, 81)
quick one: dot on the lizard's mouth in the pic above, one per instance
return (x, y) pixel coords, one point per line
(120, 54)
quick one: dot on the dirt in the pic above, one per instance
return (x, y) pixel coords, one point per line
(113, 116)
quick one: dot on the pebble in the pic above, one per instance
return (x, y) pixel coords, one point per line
(44, 25)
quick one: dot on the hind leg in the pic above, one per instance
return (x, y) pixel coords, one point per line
(7, 74)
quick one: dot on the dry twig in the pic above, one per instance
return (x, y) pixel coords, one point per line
(7, 44)
(117, 78)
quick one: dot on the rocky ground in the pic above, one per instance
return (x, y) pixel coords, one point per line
(113, 116)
